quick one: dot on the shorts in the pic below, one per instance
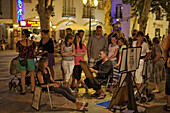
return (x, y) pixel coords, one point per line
(77, 72)
(30, 65)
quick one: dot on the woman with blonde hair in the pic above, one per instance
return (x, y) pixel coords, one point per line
(44, 78)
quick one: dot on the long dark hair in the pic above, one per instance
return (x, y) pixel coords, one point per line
(69, 36)
(26, 33)
(75, 41)
(122, 39)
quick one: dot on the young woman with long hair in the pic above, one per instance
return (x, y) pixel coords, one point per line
(44, 78)
(26, 49)
(47, 45)
(80, 51)
(68, 52)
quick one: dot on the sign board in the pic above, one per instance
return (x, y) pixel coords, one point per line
(20, 10)
(25, 23)
(86, 70)
(130, 59)
(37, 98)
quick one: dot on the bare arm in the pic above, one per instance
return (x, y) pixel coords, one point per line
(165, 55)
(73, 52)
(88, 53)
(147, 55)
(81, 53)
(115, 53)
(63, 53)
(158, 55)
(41, 81)
(120, 56)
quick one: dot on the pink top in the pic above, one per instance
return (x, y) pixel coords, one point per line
(78, 58)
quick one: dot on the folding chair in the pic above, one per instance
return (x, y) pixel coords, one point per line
(36, 102)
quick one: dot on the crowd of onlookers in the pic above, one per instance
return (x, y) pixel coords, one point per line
(104, 53)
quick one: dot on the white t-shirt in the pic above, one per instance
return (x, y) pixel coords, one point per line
(145, 48)
(111, 51)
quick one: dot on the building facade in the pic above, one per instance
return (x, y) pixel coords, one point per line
(157, 24)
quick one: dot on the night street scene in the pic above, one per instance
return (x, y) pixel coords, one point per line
(84, 56)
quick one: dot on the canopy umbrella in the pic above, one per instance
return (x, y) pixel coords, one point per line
(74, 27)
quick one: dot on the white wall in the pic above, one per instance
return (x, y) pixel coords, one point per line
(6, 9)
(58, 4)
(125, 13)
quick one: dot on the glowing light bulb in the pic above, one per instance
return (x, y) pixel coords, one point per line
(95, 3)
(84, 1)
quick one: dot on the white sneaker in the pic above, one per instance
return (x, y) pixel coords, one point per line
(155, 91)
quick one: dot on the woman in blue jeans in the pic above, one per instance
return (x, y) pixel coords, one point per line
(44, 77)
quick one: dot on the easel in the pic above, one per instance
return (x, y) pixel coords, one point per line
(129, 63)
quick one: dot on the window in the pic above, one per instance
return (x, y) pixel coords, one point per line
(27, 1)
(158, 14)
(157, 32)
(0, 7)
(118, 11)
(68, 8)
(86, 12)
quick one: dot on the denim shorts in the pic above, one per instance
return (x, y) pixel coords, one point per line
(30, 65)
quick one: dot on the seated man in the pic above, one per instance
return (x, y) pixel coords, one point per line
(3, 44)
(103, 70)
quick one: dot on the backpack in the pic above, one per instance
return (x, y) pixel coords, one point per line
(13, 66)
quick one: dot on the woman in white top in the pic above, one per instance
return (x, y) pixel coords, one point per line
(144, 55)
(113, 50)
(68, 52)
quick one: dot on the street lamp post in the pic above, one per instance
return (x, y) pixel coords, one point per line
(90, 4)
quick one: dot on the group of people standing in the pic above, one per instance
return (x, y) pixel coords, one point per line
(103, 54)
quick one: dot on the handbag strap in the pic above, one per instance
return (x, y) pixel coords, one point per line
(26, 47)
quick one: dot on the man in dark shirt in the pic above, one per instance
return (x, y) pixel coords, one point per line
(103, 70)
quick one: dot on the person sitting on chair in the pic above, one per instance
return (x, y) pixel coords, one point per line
(44, 78)
(103, 70)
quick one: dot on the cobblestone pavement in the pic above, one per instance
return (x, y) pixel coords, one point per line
(12, 102)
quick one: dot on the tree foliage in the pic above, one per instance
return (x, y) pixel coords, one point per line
(165, 7)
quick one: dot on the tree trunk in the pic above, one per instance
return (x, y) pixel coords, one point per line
(45, 9)
(169, 28)
(144, 16)
(108, 16)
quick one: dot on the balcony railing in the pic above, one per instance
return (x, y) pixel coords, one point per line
(69, 12)
(86, 13)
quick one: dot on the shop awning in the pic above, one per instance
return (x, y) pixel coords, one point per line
(6, 21)
(74, 27)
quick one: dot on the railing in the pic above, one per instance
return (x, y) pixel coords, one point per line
(69, 11)
(86, 13)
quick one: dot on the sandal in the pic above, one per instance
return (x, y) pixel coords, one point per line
(102, 96)
(84, 106)
(95, 95)
(166, 108)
